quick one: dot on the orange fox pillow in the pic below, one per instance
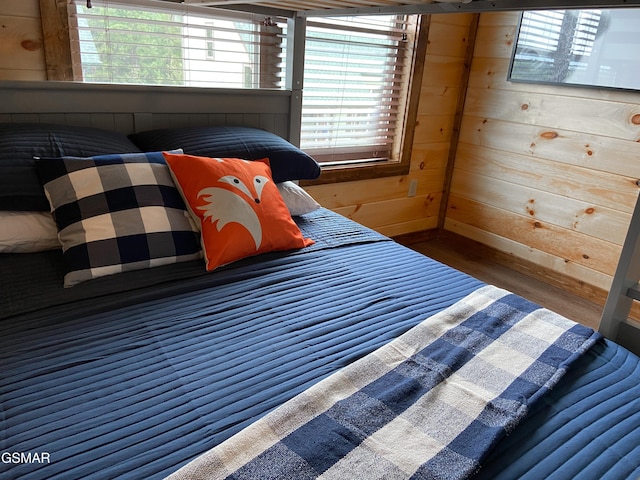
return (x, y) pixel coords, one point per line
(237, 206)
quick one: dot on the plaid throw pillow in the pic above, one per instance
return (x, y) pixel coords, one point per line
(237, 205)
(117, 213)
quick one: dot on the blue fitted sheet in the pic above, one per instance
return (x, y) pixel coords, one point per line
(135, 384)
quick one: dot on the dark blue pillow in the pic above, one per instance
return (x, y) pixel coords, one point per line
(20, 143)
(287, 161)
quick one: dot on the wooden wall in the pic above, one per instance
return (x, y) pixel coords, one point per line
(547, 174)
(21, 49)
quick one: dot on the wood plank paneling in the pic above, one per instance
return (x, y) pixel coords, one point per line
(544, 173)
(586, 115)
(378, 189)
(597, 153)
(23, 8)
(21, 47)
(613, 191)
(393, 214)
(542, 207)
(587, 251)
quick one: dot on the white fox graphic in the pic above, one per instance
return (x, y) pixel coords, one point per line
(226, 206)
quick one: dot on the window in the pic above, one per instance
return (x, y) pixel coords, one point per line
(356, 83)
(595, 47)
(556, 41)
(360, 73)
(151, 44)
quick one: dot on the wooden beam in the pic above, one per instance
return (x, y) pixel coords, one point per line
(417, 73)
(56, 39)
(462, 94)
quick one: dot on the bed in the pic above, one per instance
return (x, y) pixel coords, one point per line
(284, 362)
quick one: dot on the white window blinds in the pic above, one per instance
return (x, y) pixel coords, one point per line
(555, 29)
(553, 45)
(355, 86)
(177, 44)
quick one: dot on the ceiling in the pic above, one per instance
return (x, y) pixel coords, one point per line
(369, 7)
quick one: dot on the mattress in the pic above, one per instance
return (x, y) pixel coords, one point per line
(135, 376)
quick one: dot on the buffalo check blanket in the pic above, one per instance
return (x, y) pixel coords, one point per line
(430, 404)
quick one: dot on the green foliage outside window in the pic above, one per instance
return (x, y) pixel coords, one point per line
(138, 47)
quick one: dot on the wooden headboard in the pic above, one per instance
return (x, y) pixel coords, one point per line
(133, 108)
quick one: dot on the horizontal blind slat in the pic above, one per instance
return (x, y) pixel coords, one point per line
(354, 86)
(145, 43)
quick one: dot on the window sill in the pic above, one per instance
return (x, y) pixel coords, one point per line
(359, 171)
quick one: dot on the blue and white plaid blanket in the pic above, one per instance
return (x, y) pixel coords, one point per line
(430, 404)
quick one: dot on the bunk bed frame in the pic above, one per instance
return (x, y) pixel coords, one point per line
(134, 108)
(309, 8)
(625, 289)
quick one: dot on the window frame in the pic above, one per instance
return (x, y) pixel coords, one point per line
(197, 28)
(378, 168)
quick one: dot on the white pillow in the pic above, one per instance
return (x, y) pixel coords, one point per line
(27, 232)
(298, 201)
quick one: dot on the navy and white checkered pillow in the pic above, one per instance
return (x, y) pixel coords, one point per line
(117, 213)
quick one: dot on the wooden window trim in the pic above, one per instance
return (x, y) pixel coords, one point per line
(57, 42)
(389, 168)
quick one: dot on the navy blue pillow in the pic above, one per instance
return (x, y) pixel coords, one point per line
(287, 161)
(20, 143)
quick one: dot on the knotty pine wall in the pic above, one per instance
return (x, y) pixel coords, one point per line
(547, 174)
(21, 52)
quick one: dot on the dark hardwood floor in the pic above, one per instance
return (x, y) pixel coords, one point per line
(464, 255)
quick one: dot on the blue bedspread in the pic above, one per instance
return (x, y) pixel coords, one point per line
(135, 376)
(135, 384)
(430, 404)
